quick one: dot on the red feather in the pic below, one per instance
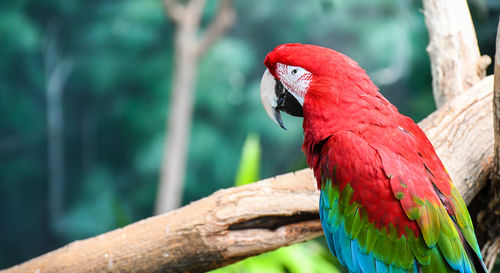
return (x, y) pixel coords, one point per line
(353, 135)
(341, 98)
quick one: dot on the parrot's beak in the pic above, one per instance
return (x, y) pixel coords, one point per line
(269, 97)
(276, 98)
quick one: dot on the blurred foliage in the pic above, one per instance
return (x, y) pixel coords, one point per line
(305, 257)
(248, 171)
(116, 99)
(310, 257)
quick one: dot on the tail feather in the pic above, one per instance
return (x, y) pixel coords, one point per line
(476, 258)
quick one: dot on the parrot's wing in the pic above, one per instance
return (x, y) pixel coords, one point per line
(381, 213)
(409, 156)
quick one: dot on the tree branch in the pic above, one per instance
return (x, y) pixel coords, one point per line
(489, 216)
(195, 12)
(461, 134)
(221, 22)
(174, 10)
(235, 223)
(496, 113)
(456, 63)
(227, 226)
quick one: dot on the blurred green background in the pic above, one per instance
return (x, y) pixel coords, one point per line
(115, 61)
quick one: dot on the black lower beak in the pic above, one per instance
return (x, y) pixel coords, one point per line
(287, 103)
(277, 116)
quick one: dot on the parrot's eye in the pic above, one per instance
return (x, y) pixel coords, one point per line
(295, 81)
(295, 72)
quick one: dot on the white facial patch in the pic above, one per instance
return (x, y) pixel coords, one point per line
(295, 79)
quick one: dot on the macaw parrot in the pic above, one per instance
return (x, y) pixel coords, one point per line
(387, 203)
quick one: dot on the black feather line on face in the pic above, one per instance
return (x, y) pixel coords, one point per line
(286, 101)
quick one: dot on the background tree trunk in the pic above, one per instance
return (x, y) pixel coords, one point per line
(57, 70)
(188, 49)
(456, 63)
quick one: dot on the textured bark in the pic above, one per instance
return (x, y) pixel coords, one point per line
(496, 115)
(462, 135)
(456, 63)
(229, 225)
(239, 222)
(489, 217)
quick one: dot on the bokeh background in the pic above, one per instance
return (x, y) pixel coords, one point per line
(111, 64)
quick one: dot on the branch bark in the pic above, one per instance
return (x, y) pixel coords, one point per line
(456, 63)
(461, 133)
(489, 216)
(496, 113)
(227, 226)
(239, 222)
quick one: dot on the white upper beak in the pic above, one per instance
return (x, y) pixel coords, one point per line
(269, 98)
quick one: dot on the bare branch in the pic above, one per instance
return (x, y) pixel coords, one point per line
(496, 121)
(174, 10)
(195, 8)
(226, 227)
(460, 131)
(489, 216)
(490, 252)
(221, 22)
(189, 13)
(456, 63)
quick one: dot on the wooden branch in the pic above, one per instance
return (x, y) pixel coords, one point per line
(490, 253)
(239, 222)
(221, 22)
(225, 227)
(456, 63)
(488, 217)
(461, 132)
(496, 117)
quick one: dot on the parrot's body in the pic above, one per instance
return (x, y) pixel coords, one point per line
(387, 203)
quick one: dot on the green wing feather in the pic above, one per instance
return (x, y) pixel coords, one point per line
(436, 247)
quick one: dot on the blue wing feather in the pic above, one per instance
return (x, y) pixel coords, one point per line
(348, 251)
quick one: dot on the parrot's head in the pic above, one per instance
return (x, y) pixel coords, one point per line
(298, 73)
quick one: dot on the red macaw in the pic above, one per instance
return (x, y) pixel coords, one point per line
(387, 203)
